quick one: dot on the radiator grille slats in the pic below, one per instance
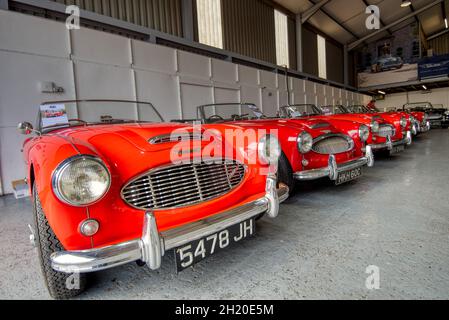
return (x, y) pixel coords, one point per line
(386, 130)
(183, 185)
(332, 145)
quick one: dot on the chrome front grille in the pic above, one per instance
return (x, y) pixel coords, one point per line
(183, 185)
(332, 144)
(386, 130)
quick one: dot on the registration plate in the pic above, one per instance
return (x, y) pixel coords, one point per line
(397, 149)
(198, 250)
(349, 175)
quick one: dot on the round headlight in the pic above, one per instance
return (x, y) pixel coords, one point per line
(305, 142)
(446, 113)
(269, 149)
(364, 132)
(375, 126)
(81, 180)
(403, 122)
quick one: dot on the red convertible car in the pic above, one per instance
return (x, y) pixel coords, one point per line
(311, 148)
(109, 193)
(388, 134)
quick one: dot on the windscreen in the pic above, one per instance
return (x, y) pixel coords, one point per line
(214, 113)
(59, 114)
(337, 109)
(299, 111)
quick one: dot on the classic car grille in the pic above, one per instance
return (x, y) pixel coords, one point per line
(332, 145)
(183, 185)
(386, 130)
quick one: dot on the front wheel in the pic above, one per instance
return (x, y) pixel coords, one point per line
(285, 173)
(60, 285)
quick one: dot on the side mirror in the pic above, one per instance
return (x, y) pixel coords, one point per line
(25, 128)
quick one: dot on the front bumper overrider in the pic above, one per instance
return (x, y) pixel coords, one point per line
(152, 246)
(333, 169)
(389, 145)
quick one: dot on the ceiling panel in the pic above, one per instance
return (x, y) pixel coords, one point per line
(351, 15)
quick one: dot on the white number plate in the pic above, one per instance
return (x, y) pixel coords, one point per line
(195, 251)
(349, 175)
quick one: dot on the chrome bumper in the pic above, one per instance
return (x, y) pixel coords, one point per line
(425, 128)
(333, 168)
(390, 144)
(153, 244)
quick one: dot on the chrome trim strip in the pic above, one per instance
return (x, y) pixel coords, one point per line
(153, 245)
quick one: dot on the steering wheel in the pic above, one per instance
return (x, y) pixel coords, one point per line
(215, 118)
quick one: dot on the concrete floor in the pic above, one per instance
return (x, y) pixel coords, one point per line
(396, 217)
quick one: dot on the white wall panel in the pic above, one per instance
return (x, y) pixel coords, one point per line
(224, 71)
(193, 96)
(190, 64)
(95, 81)
(224, 95)
(270, 102)
(153, 57)
(20, 97)
(24, 33)
(268, 79)
(101, 47)
(283, 98)
(161, 90)
(299, 98)
(248, 75)
(309, 87)
(250, 94)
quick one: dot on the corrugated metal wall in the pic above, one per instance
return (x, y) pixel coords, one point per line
(440, 45)
(162, 15)
(248, 29)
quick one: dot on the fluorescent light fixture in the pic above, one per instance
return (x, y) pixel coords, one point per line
(405, 3)
(382, 92)
(424, 87)
(445, 23)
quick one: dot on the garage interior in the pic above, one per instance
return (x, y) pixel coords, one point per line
(179, 54)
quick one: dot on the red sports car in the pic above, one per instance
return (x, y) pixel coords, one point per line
(109, 193)
(387, 134)
(421, 119)
(311, 148)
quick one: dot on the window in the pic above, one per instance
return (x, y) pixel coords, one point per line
(210, 30)
(322, 69)
(281, 25)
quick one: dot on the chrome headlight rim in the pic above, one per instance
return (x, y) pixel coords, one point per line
(302, 147)
(261, 150)
(364, 133)
(64, 165)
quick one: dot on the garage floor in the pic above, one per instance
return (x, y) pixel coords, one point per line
(396, 217)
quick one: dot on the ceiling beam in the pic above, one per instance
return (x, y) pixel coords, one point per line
(436, 35)
(330, 16)
(374, 33)
(306, 15)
